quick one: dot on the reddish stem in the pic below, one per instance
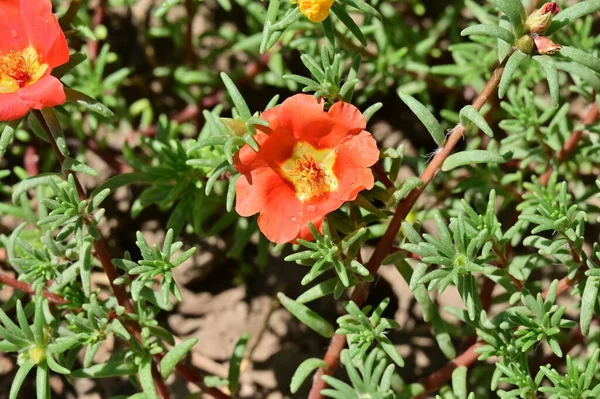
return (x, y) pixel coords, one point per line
(566, 283)
(382, 176)
(435, 380)
(25, 287)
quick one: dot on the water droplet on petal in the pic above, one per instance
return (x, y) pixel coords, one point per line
(14, 33)
(293, 219)
(311, 208)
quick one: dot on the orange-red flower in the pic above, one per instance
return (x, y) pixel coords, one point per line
(31, 45)
(309, 163)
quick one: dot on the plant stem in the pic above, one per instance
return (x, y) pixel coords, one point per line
(441, 376)
(25, 287)
(360, 293)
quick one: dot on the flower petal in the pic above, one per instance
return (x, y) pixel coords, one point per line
(253, 190)
(273, 150)
(12, 106)
(46, 92)
(303, 115)
(12, 31)
(280, 219)
(272, 116)
(315, 211)
(44, 32)
(346, 120)
(352, 163)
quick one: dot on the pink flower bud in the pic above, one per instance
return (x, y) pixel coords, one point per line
(540, 19)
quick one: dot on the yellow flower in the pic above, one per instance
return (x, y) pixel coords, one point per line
(315, 10)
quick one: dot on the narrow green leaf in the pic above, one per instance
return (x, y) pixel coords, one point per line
(23, 322)
(236, 97)
(7, 135)
(318, 291)
(52, 123)
(304, 370)
(63, 344)
(39, 321)
(231, 191)
(74, 165)
(509, 70)
(145, 376)
(470, 113)
(490, 30)
(235, 362)
(549, 67)
(57, 368)
(19, 378)
(174, 356)
(425, 116)
(289, 18)
(471, 157)
(88, 103)
(588, 303)
(11, 326)
(581, 57)
(369, 112)
(391, 350)
(347, 20)
(42, 383)
(590, 370)
(459, 383)
(307, 316)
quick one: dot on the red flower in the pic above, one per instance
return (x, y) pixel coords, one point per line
(310, 162)
(31, 45)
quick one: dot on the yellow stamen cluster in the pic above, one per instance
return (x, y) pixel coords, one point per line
(310, 171)
(19, 69)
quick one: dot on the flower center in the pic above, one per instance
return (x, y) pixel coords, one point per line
(19, 69)
(310, 171)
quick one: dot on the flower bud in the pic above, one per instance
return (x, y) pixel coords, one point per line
(540, 19)
(236, 126)
(545, 46)
(525, 44)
